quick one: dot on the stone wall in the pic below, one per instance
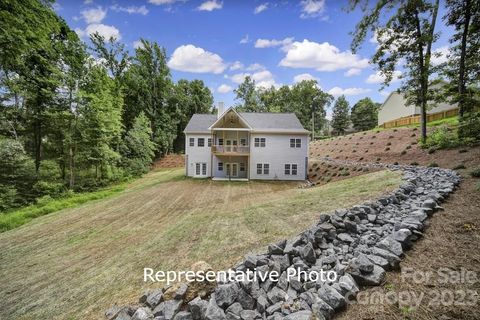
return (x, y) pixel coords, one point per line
(360, 243)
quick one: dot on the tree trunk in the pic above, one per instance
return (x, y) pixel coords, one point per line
(463, 49)
(37, 138)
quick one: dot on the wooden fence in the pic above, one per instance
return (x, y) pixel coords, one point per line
(405, 121)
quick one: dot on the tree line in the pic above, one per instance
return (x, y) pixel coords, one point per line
(76, 118)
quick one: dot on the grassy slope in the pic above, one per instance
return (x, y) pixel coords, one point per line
(82, 260)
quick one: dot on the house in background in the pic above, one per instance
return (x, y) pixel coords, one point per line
(395, 112)
(241, 146)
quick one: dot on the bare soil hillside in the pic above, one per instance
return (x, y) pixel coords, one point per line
(451, 241)
(172, 160)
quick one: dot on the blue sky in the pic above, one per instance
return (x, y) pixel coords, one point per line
(219, 42)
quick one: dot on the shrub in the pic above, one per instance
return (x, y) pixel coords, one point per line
(475, 173)
(459, 166)
(378, 159)
(389, 143)
(441, 138)
(408, 147)
(470, 126)
(413, 135)
(462, 150)
(403, 152)
(431, 150)
(390, 137)
(396, 163)
(366, 169)
(366, 151)
(387, 149)
(361, 158)
(432, 165)
(414, 163)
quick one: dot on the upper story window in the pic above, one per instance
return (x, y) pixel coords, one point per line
(201, 142)
(192, 142)
(295, 143)
(209, 142)
(243, 142)
(260, 142)
(220, 141)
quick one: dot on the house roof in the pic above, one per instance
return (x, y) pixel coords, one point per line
(271, 122)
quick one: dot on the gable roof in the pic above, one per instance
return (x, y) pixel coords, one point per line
(265, 122)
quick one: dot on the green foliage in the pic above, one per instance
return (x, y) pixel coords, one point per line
(248, 95)
(475, 173)
(441, 138)
(469, 126)
(340, 117)
(364, 115)
(46, 205)
(139, 150)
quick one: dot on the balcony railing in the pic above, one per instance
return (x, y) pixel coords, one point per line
(231, 149)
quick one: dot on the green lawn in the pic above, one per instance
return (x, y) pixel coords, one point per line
(75, 263)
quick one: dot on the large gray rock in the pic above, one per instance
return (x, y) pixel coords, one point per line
(308, 253)
(262, 304)
(379, 261)
(245, 300)
(345, 237)
(299, 315)
(123, 315)
(154, 298)
(391, 245)
(198, 308)
(167, 309)
(402, 236)
(226, 294)
(274, 308)
(248, 314)
(362, 264)
(374, 278)
(143, 313)
(276, 295)
(214, 312)
(332, 297)
(183, 315)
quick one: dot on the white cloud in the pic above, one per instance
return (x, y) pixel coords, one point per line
(321, 57)
(163, 2)
(337, 91)
(265, 43)
(130, 9)
(304, 76)
(94, 15)
(210, 5)
(378, 77)
(224, 88)
(137, 44)
(255, 67)
(237, 65)
(87, 1)
(352, 72)
(312, 8)
(261, 8)
(263, 78)
(440, 55)
(189, 58)
(245, 39)
(104, 30)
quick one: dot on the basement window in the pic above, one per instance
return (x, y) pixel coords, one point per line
(220, 166)
(242, 167)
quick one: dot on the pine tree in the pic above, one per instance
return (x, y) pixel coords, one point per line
(340, 118)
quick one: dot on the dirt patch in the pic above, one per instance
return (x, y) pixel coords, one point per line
(170, 161)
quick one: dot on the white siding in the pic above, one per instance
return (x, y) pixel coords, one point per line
(197, 154)
(395, 108)
(277, 153)
(225, 160)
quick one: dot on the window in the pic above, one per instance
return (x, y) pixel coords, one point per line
(209, 141)
(291, 169)
(295, 143)
(192, 142)
(260, 142)
(204, 169)
(220, 141)
(259, 168)
(266, 168)
(220, 166)
(242, 167)
(243, 142)
(294, 169)
(201, 142)
(197, 169)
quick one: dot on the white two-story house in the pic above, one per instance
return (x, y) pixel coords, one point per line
(241, 146)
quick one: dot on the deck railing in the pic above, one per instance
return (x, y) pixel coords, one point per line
(231, 149)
